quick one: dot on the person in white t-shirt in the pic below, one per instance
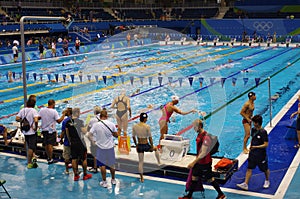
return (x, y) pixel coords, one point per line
(103, 133)
(50, 117)
(30, 136)
(93, 148)
(53, 48)
(15, 52)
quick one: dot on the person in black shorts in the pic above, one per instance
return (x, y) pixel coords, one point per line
(202, 164)
(74, 129)
(258, 153)
(141, 133)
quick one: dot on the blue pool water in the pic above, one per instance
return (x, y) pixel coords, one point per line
(171, 63)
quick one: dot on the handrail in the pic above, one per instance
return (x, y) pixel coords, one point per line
(23, 45)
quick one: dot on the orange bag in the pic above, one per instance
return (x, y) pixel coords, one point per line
(223, 164)
(123, 145)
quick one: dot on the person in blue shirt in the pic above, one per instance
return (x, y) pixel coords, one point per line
(65, 141)
(258, 153)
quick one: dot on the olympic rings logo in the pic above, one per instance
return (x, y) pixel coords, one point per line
(263, 26)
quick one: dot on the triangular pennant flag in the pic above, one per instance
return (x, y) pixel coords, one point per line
(180, 81)
(142, 79)
(114, 78)
(64, 77)
(34, 76)
(14, 75)
(150, 80)
(191, 80)
(212, 80)
(96, 78)
(245, 80)
(201, 81)
(41, 77)
(122, 79)
(131, 79)
(80, 78)
(49, 77)
(72, 78)
(170, 79)
(56, 77)
(223, 81)
(233, 81)
(89, 77)
(27, 76)
(160, 78)
(104, 79)
(257, 81)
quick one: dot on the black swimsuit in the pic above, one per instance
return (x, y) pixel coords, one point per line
(121, 113)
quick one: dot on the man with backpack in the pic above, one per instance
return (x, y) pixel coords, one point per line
(28, 117)
(202, 165)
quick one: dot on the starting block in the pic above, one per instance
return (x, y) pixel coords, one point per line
(174, 147)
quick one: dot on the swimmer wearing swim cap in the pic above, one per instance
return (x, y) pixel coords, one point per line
(167, 112)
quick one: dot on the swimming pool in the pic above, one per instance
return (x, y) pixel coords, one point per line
(143, 66)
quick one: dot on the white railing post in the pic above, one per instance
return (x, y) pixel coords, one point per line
(38, 18)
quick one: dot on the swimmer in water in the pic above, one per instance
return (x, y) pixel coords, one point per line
(10, 77)
(79, 62)
(136, 92)
(119, 68)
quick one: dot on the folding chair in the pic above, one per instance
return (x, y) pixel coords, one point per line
(2, 182)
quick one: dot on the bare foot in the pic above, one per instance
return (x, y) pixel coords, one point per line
(142, 180)
(245, 151)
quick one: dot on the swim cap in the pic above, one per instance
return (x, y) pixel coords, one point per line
(174, 98)
(250, 94)
(143, 116)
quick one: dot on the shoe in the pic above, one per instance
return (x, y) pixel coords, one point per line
(185, 197)
(76, 178)
(243, 186)
(113, 181)
(67, 172)
(266, 184)
(221, 196)
(34, 163)
(103, 184)
(52, 161)
(87, 176)
(29, 166)
(93, 170)
(297, 146)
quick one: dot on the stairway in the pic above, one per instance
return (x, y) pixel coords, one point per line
(111, 12)
(222, 12)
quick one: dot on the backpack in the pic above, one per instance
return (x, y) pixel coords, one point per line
(215, 143)
(25, 125)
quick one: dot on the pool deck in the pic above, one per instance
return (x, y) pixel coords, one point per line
(283, 161)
